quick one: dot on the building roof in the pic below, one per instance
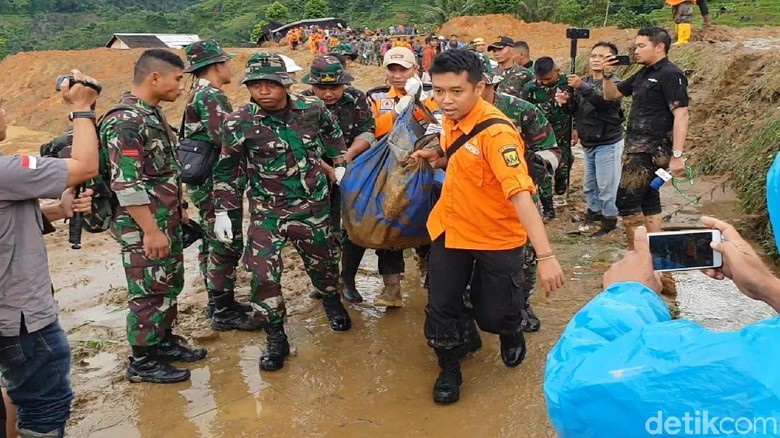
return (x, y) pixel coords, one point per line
(153, 40)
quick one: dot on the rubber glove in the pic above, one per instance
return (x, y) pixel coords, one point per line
(223, 228)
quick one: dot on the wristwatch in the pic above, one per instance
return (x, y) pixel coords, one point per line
(677, 154)
(81, 115)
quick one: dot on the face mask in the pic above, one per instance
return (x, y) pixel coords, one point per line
(773, 198)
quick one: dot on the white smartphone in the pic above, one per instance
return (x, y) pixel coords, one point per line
(685, 250)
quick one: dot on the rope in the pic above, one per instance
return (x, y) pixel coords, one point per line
(682, 191)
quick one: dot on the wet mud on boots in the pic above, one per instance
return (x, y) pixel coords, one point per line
(446, 390)
(228, 314)
(336, 313)
(174, 349)
(472, 340)
(144, 367)
(391, 292)
(277, 348)
(608, 225)
(512, 347)
(349, 290)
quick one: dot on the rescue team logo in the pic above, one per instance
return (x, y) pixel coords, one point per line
(386, 104)
(511, 158)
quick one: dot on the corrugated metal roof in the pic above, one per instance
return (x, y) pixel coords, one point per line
(154, 40)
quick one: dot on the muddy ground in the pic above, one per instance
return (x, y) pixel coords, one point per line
(375, 379)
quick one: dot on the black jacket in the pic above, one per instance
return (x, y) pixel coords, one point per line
(598, 121)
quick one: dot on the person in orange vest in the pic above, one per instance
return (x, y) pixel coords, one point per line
(682, 14)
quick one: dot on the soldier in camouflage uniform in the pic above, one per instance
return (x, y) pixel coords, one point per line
(514, 75)
(278, 138)
(204, 114)
(145, 178)
(538, 136)
(344, 50)
(541, 92)
(330, 83)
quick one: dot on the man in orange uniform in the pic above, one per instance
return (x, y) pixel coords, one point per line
(480, 225)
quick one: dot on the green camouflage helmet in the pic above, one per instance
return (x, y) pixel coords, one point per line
(490, 76)
(265, 66)
(203, 53)
(345, 49)
(327, 70)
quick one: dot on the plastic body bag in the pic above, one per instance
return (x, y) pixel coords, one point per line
(773, 197)
(387, 197)
(623, 368)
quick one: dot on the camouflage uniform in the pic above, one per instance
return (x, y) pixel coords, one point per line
(559, 116)
(514, 80)
(288, 188)
(145, 171)
(204, 114)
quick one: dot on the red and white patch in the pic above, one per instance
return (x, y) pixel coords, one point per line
(29, 162)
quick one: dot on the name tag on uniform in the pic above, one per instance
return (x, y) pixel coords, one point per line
(386, 104)
(471, 148)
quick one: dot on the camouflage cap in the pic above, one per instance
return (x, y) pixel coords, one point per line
(345, 49)
(203, 53)
(265, 66)
(327, 70)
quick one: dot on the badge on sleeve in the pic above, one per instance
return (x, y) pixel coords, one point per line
(29, 162)
(511, 158)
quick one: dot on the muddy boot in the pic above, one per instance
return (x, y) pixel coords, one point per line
(209, 310)
(350, 291)
(173, 349)
(548, 209)
(707, 20)
(447, 387)
(653, 223)
(473, 342)
(684, 31)
(391, 293)
(229, 316)
(608, 225)
(512, 347)
(143, 367)
(532, 323)
(560, 186)
(631, 223)
(593, 216)
(337, 314)
(669, 288)
(277, 348)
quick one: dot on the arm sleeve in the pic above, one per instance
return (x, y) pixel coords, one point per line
(505, 154)
(365, 123)
(675, 88)
(212, 111)
(230, 170)
(331, 135)
(626, 87)
(125, 143)
(25, 177)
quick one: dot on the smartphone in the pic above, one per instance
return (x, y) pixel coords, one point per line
(685, 250)
(623, 59)
(61, 80)
(574, 33)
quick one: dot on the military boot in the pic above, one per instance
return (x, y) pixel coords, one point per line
(532, 323)
(337, 314)
(209, 311)
(548, 209)
(608, 225)
(472, 340)
(350, 291)
(173, 349)
(560, 186)
(143, 367)
(228, 316)
(350, 263)
(512, 346)
(277, 348)
(593, 216)
(391, 293)
(447, 387)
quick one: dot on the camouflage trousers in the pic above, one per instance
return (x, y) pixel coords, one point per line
(152, 288)
(567, 159)
(217, 261)
(529, 270)
(310, 235)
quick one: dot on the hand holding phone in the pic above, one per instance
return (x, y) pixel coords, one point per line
(623, 60)
(685, 250)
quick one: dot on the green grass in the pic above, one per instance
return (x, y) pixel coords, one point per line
(759, 12)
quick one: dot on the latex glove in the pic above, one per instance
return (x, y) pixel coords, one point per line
(402, 104)
(223, 228)
(340, 171)
(413, 86)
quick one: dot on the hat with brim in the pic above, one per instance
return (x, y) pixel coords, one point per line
(203, 53)
(501, 42)
(327, 70)
(265, 66)
(401, 56)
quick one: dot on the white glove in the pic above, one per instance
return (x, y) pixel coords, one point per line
(402, 104)
(340, 171)
(413, 86)
(223, 228)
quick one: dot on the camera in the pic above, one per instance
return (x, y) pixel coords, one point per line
(574, 33)
(71, 80)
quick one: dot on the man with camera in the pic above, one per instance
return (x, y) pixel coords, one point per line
(657, 126)
(204, 114)
(34, 351)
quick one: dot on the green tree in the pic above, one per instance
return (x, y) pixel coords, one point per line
(501, 6)
(440, 11)
(569, 12)
(3, 51)
(257, 31)
(277, 12)
(316, 9)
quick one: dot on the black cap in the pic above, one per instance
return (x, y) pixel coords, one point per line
(501, 42)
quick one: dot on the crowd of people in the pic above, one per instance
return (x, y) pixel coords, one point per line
(505, 123)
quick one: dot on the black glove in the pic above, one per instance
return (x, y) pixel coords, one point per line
(537, 166)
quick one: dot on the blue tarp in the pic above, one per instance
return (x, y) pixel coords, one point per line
(386, 197)
(624, 368)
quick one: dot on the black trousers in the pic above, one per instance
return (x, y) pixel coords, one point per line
(496, 292)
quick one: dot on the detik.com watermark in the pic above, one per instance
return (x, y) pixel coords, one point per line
(703, 423)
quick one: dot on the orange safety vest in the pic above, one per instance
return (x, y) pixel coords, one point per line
(679, 2)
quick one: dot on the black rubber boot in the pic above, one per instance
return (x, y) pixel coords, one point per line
(228, 316)
(560, 186)
(350, 291)
(277, 348)
(548, 209)
(532, 323)
(173, 349)
(512, 347)
(337, 314)
(473, 342)
(447, 387)
(143, 367)
(608, 225)
(209, 311)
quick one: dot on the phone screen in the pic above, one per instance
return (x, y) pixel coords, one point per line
(623, 60)
(683, 250)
